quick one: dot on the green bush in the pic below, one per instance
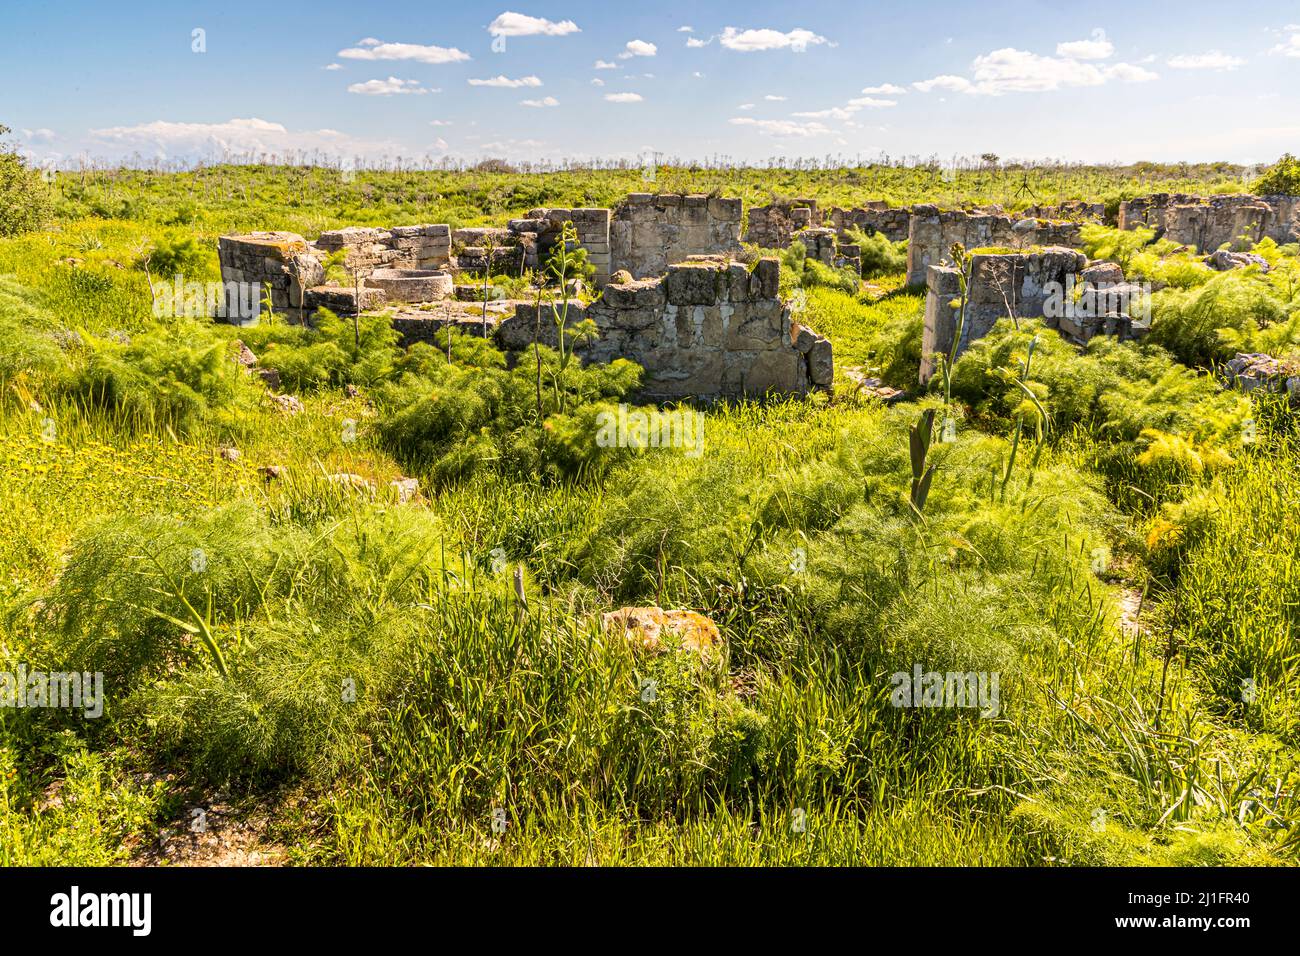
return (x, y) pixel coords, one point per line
(880, 257)
(1197, 325)
(1280, 179)
(24, 199)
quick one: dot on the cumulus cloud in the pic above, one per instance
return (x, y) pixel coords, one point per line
(1019, 71)
(538, 104)
(1211, 60)
(772, 127)
(638, 48)
(597, 81)
(1291, 45)
(686, 29)
(333, 66)
(440, 122)
(889, 89)
(505, 82)
(750, 41)
(604, 65)
(775, 99)
(511, 24)
(745, 106)
(946, 82)
(389, 87)
(623, 97)
(372, 49)
(1097, 48)
(695, 43)
(845, 113)
(871, 102)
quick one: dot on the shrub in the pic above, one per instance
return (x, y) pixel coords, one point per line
(24, 199)
(1191, 323)
(1280, 179)
(879, 255)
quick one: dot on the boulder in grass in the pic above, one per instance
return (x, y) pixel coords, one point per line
(244, 355)
(405, 489)
(654, 629)
(288, 404)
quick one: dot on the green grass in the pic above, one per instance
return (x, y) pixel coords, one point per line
(368, 659)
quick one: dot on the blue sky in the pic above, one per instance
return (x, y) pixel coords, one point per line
(574, 79)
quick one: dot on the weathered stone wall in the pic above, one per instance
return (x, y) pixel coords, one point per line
(709, 328)
(932, 233)
(402, 247)
(1073, 209)
(1208, 223)
(539, 231)
(284, 263)
(874, 217)
(648, 232)
(773, 226)
(1000, 286)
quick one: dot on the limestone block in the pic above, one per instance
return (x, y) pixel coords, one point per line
(779, 372)
(691, 284)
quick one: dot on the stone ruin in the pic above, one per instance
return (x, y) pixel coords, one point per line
(773, 226)
(1027, 285)
(699, 323)
(931, 234)
(1208, 223)
(709, 328)
(892, 222)
(648, 233)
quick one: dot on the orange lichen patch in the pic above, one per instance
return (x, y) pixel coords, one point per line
(647, 628)
(286, 244)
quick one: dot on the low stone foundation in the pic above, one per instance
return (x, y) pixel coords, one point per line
(709, 328)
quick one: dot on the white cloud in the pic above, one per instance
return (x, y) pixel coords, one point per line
(389, 87)
(1018, 71)
(372, 49)
(42, 135)
(1097, 48)
(947, 82)
(1291, 46)
(750, 41)
(519, 25)
(604, 65)
(890, 89)
(871, 102)
(1128, 73)
(745, 106)
(698, 75)
(504, 82)
(333, 66)
(770, 127)
(538, 104)
(597, 81)
(686, 29)
(623, 97)
(1211, 60)
(440, 122)
(835, 113)
(695, 43)
(638, 48)
(775, 99)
